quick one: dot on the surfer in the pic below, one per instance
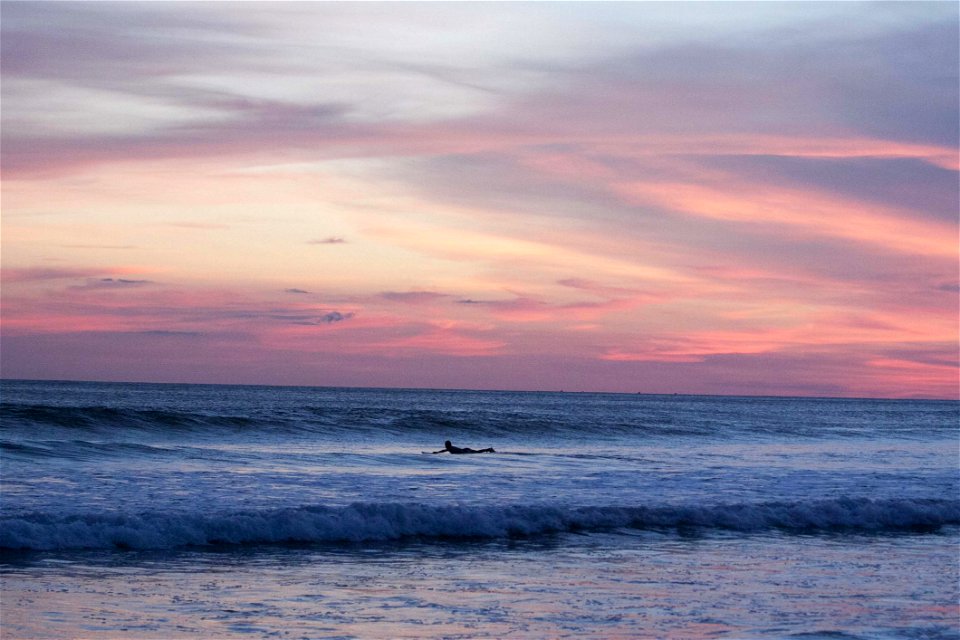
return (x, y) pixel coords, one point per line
(447, 446)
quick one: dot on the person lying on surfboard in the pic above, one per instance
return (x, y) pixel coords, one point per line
(447, 446)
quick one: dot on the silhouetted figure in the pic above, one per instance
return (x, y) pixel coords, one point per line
(447, 446)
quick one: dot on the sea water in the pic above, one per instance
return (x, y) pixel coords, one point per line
(184, 511)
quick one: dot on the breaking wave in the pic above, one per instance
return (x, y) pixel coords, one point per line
(364, 522)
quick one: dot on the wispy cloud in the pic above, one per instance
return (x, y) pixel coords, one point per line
(112, 283)
(168, 333)
(413, 297)
(118, 247)
(91, 275)
(335, 316)
(587, 196)
(28, 274)
(203, 226)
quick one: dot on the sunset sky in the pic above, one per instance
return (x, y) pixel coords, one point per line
(642, 197)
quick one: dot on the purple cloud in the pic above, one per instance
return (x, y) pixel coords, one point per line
(112, 283)
(335, 316)
(43, 273)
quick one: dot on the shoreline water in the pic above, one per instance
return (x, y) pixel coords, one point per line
(567, 586)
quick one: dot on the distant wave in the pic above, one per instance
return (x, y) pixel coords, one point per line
(82, 450)
(97, 418)
(36, 413)
(27, 422)
(391, 521)
(106, 420)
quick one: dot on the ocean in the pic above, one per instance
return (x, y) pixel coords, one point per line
(196, 511)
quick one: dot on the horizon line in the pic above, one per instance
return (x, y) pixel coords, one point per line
(456, 389)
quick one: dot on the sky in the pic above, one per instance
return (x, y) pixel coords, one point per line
(723, 198)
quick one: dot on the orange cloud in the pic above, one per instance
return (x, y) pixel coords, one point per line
(817, 331)
(804, 211)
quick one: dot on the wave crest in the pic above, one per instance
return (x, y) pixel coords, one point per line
(101, 418)
(397, 521)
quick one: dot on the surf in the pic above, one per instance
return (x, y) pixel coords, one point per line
(369, 522)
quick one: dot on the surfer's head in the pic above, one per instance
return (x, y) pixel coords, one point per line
(447, 444)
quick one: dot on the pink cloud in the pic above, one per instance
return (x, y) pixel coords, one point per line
(437, 341)
(586, 214)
